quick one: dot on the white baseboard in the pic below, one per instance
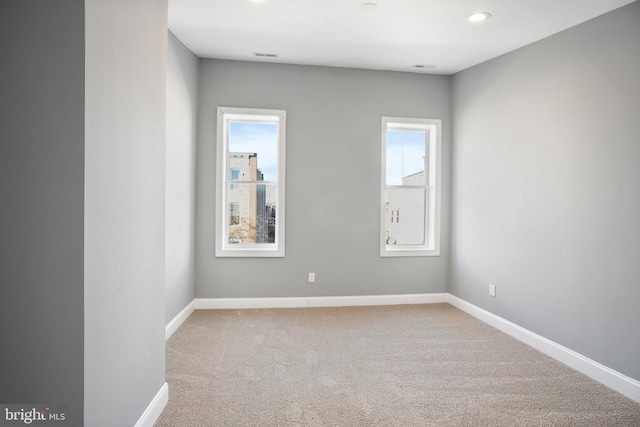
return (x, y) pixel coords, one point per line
(179, 319)
(153, 411)
(335, 301)
(607, 376)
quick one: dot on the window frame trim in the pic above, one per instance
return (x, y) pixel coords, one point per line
(225, 115)
(433, 214)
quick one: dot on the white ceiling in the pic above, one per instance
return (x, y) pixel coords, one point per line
(397, 35)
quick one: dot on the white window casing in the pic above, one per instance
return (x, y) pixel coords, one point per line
(256, 201)
(410, 208)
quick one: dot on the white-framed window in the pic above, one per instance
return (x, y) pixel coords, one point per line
(410, 193)
(250, 196)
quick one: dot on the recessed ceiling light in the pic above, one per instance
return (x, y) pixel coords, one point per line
(257, 1)
(478, 17)
(369, 7)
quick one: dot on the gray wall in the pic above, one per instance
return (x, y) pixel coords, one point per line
(182, 98)
(126, 69)
(333, 179)
(547, 188)
(41, 218)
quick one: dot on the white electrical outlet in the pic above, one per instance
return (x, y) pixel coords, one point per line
(312, 277)
(492, 290)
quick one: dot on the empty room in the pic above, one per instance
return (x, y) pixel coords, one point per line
(336, 213)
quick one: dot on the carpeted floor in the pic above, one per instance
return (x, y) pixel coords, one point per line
(411, 365)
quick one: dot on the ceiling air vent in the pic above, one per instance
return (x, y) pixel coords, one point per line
(265, 55)
(426, 66)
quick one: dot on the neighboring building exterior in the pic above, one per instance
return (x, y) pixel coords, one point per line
(251, 210)
(406, 209)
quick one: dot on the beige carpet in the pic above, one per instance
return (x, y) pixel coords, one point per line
(417, 365)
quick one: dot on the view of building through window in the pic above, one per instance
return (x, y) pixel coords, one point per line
(406, 163)
(252, 186)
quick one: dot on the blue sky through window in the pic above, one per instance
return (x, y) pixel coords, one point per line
(405, 154)
(259, 138)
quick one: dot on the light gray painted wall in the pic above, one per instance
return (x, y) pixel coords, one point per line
(182, 98)
(333, 179)
(547, 188)
(126, 70)
(41, 186)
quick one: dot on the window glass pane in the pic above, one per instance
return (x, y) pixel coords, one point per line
(253, 213)
(258, 141)
(405, 157)
(405, 217)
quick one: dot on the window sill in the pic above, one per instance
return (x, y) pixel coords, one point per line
(249, 253)
(391, 251)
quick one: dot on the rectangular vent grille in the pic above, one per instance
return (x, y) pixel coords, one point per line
(265, 55)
